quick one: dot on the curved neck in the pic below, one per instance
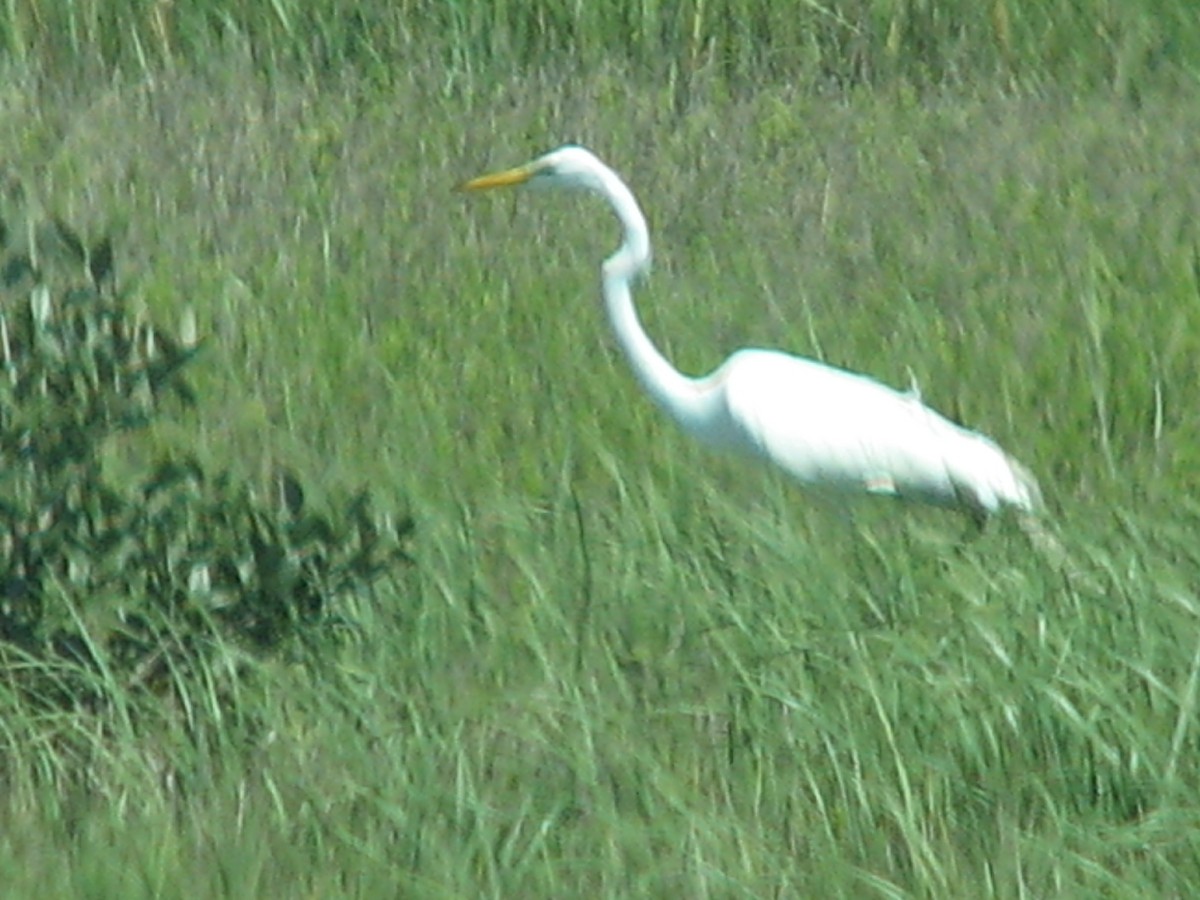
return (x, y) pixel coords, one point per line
(673, 391)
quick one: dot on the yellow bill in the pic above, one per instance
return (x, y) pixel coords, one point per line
(508, 177)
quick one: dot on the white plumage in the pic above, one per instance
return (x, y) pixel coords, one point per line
(822, 425)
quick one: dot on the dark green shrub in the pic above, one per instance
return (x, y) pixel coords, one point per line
(107, 589)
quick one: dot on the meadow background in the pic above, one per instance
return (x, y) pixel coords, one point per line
(619, 666)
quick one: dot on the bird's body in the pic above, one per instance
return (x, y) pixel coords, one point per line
(831, 428)
(824, 426)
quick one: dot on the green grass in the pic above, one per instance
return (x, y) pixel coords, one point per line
(622, 667)
(687, 47)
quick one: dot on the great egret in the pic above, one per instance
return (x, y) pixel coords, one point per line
(822, 425)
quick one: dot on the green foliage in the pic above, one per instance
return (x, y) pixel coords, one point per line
(108, 589)
(625, 667)
(733, 43)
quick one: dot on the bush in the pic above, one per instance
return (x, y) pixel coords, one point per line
(108, 589)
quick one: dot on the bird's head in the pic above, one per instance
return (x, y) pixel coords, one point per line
(570, 166)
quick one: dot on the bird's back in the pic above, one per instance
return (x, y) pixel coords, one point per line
(830, 427)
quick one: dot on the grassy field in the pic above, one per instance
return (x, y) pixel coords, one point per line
(622, 667)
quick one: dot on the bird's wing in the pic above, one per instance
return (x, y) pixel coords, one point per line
(827, 426)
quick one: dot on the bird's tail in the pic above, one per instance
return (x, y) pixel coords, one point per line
(1028, 493)
(987, 479)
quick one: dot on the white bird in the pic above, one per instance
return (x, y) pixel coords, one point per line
(824, 426)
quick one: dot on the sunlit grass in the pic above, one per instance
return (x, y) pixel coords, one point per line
(621, 666)
(685, 48)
